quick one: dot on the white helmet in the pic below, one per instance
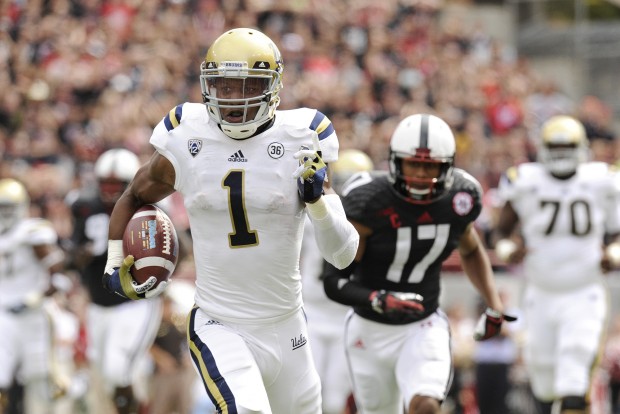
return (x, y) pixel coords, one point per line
(239, 62)
(14, 203)
(114, 170)
(564, 145)
(426, 139)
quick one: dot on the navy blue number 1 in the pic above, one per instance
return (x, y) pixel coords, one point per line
(241, 235)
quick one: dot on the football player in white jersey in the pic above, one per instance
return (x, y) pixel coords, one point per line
(410, 220)
(565, 208)
(30, 260)
(326, 317)
(249, 175)
(120, 331)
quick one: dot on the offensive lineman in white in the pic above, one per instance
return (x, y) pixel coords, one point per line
(30, 262)
(567, 209)
(248, 175)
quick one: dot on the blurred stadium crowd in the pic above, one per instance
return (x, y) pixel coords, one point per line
(79, 77)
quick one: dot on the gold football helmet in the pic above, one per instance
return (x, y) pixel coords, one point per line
(350, 161)
(564, 145)
(14, 203)
(241, 78)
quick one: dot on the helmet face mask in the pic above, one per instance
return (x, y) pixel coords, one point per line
(241, 78)
(14, 203)
(422, 151)
(564, 145)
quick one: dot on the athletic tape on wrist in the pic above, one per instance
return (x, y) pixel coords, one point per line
(115, 254)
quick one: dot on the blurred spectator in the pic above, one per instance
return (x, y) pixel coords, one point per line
(597, 120)
(171, 383)
(461, 397)
(493, 360)
(81, 77)
(611, 365)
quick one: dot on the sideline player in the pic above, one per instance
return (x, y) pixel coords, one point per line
(410, 220)
(120, 331)
(326, 317)
(566, 208)
(31, 260)
(248, 175)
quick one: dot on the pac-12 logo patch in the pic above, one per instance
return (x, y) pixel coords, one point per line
(462, 203)
(194, 146)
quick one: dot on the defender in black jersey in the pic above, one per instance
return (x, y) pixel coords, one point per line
(119, 330)
(409, 221)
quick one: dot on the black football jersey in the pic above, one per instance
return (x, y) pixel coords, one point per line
(91, 220)
(409, 242)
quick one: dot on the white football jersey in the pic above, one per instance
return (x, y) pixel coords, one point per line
(245, 213)
(563, 221)
(21, 272)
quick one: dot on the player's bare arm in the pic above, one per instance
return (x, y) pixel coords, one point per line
(477, 266)
(364, 233)
(611, 253)
(506, 248)
(153, 182)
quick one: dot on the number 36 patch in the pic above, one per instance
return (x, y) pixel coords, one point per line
(462, 203)
(275, 150)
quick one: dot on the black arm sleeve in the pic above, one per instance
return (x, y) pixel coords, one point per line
(340, 288)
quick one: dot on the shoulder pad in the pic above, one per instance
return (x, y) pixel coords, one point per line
(173, 118)
(469, 181)
(356, 180)
(322, 125)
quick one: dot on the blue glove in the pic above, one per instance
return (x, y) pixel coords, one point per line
(310, 174)
(119, 280)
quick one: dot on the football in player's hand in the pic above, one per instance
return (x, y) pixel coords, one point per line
(150, 237)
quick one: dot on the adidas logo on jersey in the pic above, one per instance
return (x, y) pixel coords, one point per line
(237, 157)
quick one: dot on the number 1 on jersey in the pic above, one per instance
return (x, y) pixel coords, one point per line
(241, 235)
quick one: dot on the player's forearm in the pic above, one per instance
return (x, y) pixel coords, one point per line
(340, 289)
(124, 209)
(477, 267)
(336, 237)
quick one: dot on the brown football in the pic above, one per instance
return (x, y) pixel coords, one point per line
(150, 237)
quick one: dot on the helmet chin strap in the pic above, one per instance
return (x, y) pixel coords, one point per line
(261, 128)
